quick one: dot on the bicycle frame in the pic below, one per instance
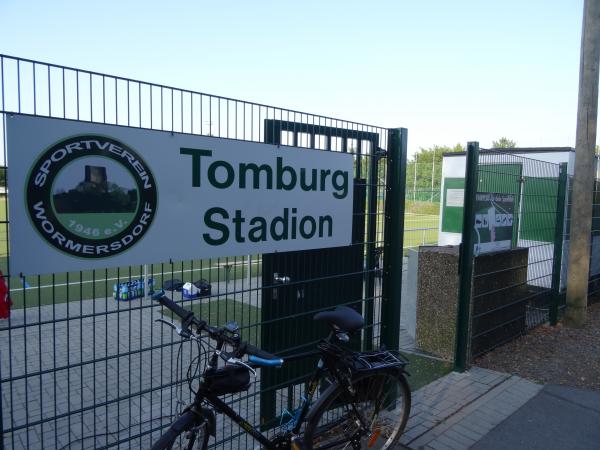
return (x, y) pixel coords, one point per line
(220, 406)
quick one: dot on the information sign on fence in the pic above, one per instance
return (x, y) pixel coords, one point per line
(494, 218)
(85, 195)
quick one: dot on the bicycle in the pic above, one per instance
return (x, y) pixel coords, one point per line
(364, 401)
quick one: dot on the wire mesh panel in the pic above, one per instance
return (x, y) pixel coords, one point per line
(83, 365)
(514, 234)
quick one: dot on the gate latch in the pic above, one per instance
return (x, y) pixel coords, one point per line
(380, 152)
(280, 279)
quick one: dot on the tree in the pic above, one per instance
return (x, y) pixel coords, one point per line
(424, 170)
(504, 142)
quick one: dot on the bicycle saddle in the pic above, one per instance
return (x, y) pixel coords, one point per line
(342, 318)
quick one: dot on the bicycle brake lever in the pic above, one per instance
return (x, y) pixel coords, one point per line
(242, 363)
(180, 331)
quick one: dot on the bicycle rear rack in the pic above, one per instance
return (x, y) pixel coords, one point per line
(379, 359)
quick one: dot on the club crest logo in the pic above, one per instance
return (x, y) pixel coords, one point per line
(91, 196)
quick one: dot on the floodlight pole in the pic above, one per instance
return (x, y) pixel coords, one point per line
(415, 177)
(432, 176)
(585, 167)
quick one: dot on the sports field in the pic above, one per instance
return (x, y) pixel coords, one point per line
(420, 228)
(421, 223)
(74, 286)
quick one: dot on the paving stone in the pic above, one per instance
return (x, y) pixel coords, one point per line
(470, 410)
(463, 439)
(444, 439)
(470, 433)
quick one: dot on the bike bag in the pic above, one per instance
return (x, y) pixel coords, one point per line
(229, 379)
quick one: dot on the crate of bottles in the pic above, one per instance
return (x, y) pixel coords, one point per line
(130, 290)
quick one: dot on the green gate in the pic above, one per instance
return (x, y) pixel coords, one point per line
(296, 285)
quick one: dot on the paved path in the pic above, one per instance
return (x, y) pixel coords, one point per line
(559, 417)
(458, 410)
(94, 368)
(485, 410)
(101, 368)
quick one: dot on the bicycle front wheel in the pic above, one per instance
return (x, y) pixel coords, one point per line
(188, 432)
(373, 416)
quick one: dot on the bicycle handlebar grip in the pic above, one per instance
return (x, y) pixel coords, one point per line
(265, 362)
(252, 350)
(183, 313)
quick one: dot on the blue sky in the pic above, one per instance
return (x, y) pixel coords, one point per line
(449, 71)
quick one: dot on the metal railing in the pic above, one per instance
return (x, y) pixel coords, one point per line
(513, 291)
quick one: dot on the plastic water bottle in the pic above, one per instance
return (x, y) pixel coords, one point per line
(150, 286)
(124, 291)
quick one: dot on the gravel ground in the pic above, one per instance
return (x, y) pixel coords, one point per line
(557, 355)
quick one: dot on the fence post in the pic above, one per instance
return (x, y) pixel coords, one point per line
(465, 266)
(558, 243)
(370, 245)
(394, 238)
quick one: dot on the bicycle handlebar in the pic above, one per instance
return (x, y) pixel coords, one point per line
(252, 350)
(183, 313)
(265, 362)
(187, 318)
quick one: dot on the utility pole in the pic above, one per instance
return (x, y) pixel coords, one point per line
(585, 167)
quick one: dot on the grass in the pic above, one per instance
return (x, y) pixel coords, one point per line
(424, 370)
(421, 223)
(88, 284)
(220, 312)
(420, 229)
(418, 207)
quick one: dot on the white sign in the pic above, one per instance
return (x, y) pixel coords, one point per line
(85, 196)
(455, 197)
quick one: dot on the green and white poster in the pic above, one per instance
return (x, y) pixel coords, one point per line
(494, 221)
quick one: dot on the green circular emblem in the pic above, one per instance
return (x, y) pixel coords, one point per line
(91, 196)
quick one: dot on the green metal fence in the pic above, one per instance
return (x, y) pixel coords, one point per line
(81, 370)
(423, 195)
(512, 245)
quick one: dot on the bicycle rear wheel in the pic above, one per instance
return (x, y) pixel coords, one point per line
(188, 432)
(381, 402)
